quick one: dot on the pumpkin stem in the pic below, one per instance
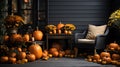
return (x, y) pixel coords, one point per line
(114, 41)
(37, 28)
(95, 52)
(105, 50)
(60, 22)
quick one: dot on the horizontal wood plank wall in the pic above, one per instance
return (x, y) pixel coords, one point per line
(78, 12)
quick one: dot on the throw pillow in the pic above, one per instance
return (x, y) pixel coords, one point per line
(93, 31)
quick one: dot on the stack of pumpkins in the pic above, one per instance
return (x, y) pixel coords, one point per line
(11, 51)
(17, 55)
(109, 56)
(57, 51)
(16, 37)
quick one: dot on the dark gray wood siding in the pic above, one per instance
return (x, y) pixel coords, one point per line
(78, 12)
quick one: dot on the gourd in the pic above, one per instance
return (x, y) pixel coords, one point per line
(36, 50)
(37, 34)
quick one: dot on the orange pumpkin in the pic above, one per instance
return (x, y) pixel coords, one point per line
(104, 54)
(44, 54)
(52, 50)
(113, 46)
(45, 51)
(60, 25)
(30, 57)
(96, 57)
(4, 59)
(55, 53)
(62, 52)
(12, 60)
(5, 37)
(26, 37)
(36, 50)
(22, 55)
(16, 37)
(37, 34)
(12, 54)
(107, 59)
(57, 46)
(115, 56)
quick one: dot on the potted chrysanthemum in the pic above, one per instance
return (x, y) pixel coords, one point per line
(114, 19)
(13, 22)
(68, 28)
(114, 25)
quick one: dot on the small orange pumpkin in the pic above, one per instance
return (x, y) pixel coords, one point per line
(4, 59)
(36, 50)
(57, 46)
(12, 60)
(104, 54)
(107, 59)
(30, 57)
(51, 50)
(12, 54)
(37, 34)
(60, 25)
(115, 56)
(5, 37)
(22, 55)
(26, 37)
(113, 46)
(16, 37)
(55, 53)
(96, 56)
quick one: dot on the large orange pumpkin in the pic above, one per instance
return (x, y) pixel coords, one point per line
(37, 34)
(36, 50)
(60, 25)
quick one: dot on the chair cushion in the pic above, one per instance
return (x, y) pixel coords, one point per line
(93, 31)
(87, 41)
